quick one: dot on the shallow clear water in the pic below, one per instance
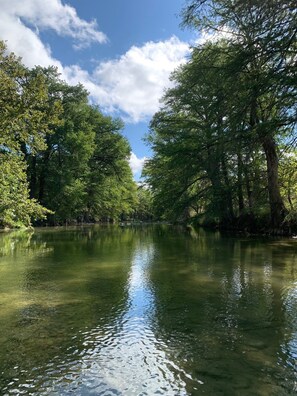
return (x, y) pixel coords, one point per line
(146, 311)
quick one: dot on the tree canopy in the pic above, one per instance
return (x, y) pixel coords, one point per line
(230, 118)
(61, 159)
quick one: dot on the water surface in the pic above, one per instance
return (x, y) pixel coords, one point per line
(146, 311)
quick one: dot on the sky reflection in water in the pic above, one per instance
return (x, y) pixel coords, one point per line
(144, 311)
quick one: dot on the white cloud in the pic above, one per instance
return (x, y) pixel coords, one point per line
(131, 85)
(25, 43)
(136, 164)
(135, 82)
(17, 15)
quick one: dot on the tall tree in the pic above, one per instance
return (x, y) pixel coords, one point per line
(264, 35)
(83, 173)
(197, 134)
(25, 120)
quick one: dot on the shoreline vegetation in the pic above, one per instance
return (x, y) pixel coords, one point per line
(224, 140)
(61, 159)
(185, 227)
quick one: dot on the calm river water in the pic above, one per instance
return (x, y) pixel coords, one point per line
(146, 311)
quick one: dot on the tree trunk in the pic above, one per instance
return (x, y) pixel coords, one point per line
(33, 177)
(277, 207)
(213, 172)
(248, 187)
(42, 180)
(239, 184)
(228, 193)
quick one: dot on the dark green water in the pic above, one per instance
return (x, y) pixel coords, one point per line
(146, 311)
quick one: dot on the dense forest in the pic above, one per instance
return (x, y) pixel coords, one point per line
(61, 160)
(224, 140)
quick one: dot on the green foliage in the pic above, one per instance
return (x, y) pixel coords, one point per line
(26, 113)
(23, 127)
(216, 139)
(16, 209)
(144, 210)
(84, 174)
(57, 151)
(288, 181)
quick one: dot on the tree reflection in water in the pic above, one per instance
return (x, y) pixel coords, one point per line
(148, 310)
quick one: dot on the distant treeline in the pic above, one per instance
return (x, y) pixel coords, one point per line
(224, 140)
(61, 159)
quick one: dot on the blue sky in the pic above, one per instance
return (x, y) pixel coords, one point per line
(122, 51)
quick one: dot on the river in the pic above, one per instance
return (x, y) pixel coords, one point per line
(147, 310)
